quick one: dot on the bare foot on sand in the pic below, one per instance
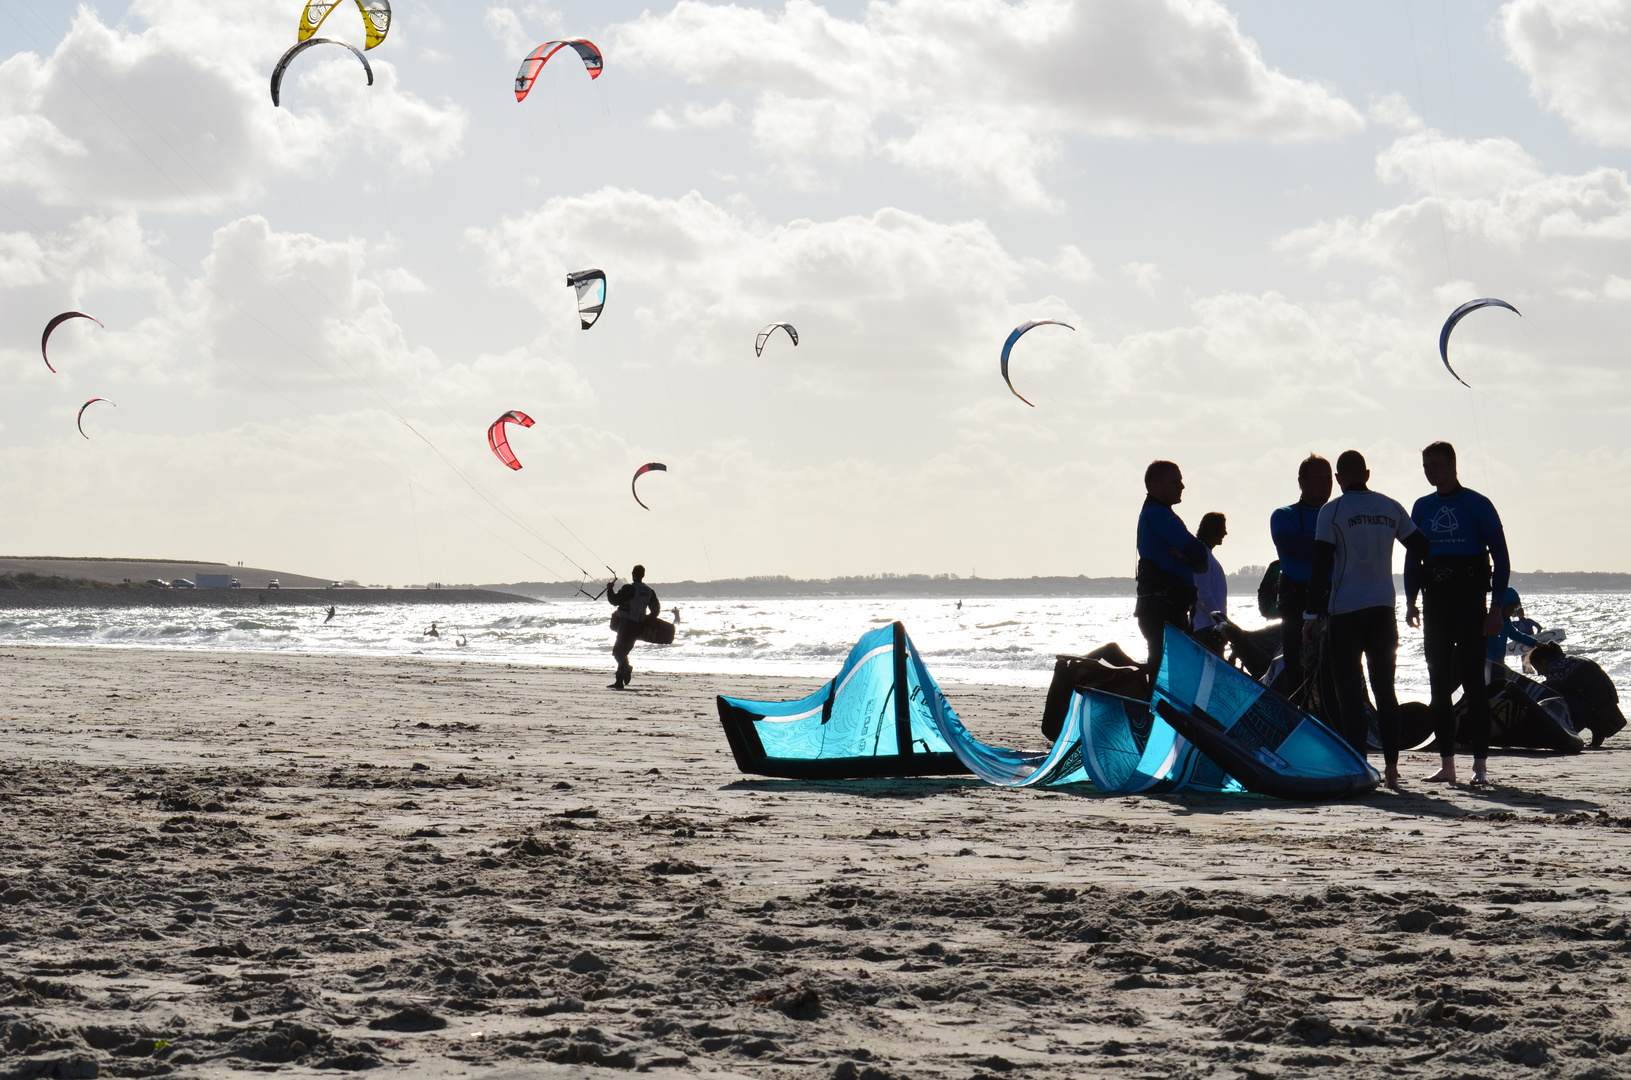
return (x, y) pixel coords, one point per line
(1390, 777)
(1445, 774)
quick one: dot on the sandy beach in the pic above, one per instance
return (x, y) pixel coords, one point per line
(223, 863)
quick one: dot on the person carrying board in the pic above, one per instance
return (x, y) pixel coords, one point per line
(634, 602)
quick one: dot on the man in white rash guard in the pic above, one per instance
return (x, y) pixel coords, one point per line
(1353, 582)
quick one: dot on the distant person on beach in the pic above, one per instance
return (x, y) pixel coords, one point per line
(431, 632)
(1211, 587)
(1292, 529)
(1455, 580)
(1168, 560)
(330, 616)
(1593, 700)
(676, 614)
(634, 602)
(1352, 582)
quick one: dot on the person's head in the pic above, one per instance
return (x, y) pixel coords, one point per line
(1438, 465)
(1314, 478)
(638, 573)
(1351, 470)
(1511, 604)
(1541, 657)
(1212, 529)
(1164, 482)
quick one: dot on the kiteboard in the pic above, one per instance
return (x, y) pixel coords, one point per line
(655, 631)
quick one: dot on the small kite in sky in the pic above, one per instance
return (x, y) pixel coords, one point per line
(535, 61)
(79, 421)
(591, 287)
(650, 466)
(1008, 347)
(498, 439)
(376, 18)
(1456, 316)
(56, 322)
(294, 51)
(764, 336)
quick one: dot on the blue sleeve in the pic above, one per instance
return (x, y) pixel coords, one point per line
(1514, 634)
(1412, 577)
(1169, 528)
(1294, 546)
(1489, 525)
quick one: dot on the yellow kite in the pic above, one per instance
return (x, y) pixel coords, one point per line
(376, 18)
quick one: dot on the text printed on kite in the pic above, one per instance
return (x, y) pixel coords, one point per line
(1008, 347)
(288, 58)
(591, 289)
(376, 18)
(764, 336)
(57, 321)
(79, 421)
(535, 61)
(1455, 317)
(650, 466)
(498, 436)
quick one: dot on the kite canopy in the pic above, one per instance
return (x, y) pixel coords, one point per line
(650, 466)
(884, 715)
(1456, 316)
(498, 437)
(288, 58)
(535, 61)
(764, 335)
(1008, 347)
(57, 321)
(376, 18)
(79, 421)
(591, 287)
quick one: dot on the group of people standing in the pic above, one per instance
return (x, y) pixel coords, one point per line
(1336, 580)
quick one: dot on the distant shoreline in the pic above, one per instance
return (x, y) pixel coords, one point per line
(138, 597)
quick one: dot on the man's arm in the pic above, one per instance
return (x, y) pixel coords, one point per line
(616, 597)
(1319, 582)
(1170, 529)
(1501, 576)
(655, 607)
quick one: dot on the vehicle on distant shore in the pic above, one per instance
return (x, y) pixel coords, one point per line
(236, 584)
(182, 583)
(336, 584)
(158, 583)
(273, 584)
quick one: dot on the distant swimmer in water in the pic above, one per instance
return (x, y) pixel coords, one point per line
(431, 632)
(462, 642)
(330, 617)
(959, 605)
(676, 614)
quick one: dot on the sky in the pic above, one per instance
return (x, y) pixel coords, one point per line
(1256, 216)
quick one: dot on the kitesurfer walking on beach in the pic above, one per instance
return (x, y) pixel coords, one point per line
(1168, 560)
(634, 602)
(1352, 582)
(1292, 529)
(1454, 580)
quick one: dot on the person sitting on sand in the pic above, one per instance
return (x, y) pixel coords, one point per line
(1593, 700)
(634, 602)
(1168, 560)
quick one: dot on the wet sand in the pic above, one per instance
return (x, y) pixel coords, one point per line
(221, 864)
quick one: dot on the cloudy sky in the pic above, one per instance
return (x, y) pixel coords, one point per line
(1256, 215)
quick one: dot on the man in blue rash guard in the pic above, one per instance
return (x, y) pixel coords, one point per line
(1292, 529)
(1353, 582)
(1454, 580)
(1495, 669)
(1168, 559)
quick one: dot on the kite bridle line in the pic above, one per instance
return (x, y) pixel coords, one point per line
(372, 392)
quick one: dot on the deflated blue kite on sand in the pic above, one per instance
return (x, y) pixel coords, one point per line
(1212, 729)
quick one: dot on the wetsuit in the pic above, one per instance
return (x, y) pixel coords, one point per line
(1168, 559)
(1593, 700)
(1495, 668)
(1353, 582)
(1455, 579)
(634, 602)
(1292, 529)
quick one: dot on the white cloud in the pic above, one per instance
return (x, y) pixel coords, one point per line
(1145, 275)
(874, 295)
(1574, 55)
(1434, 165)
(1001, 80)
(178, 116)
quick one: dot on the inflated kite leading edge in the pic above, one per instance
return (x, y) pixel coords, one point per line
(79, 420)
(764, 336)
(1456, 316)
(593, 62)
(288, 58)
(591, 289)
(376, 18)
(498, 438)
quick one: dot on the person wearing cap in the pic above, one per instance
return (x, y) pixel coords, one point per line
(1495, 669)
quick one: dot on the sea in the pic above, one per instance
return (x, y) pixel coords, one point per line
(998, 641)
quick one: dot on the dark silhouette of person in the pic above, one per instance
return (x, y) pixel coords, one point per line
(634, 602)
(330, 616)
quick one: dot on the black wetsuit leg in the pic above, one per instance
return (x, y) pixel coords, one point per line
(1454, 643)
(1293, 599)
(1153, 617)
(620, 652)
(1371, 633)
